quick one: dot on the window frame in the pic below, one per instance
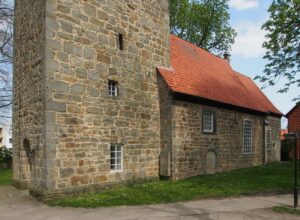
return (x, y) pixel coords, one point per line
(213, 122)
(116, 164)
(120, 38)
(109, 88)
(269, 135)
(251, 138)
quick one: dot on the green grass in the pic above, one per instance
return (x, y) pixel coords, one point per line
(287, 210)
(5, 177)
(273, 178)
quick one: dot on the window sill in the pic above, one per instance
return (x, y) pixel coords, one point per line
(246, 154)
(116, 171)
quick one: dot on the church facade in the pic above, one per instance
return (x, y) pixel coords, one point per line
(98, 101)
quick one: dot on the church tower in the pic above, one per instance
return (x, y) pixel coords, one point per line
(86, 107)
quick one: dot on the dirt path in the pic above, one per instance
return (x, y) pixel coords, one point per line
(18, 205)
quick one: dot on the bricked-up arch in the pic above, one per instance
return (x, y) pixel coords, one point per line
(210, 162)
(27, 148)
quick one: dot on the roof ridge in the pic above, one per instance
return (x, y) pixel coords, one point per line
(197, 47)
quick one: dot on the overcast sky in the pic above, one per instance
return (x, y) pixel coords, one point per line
(247, 17)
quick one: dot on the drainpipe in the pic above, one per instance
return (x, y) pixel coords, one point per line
(265, 122)
(264, 142)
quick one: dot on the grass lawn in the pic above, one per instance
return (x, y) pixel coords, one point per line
(5, 177)
(273, 178)
(288, 210)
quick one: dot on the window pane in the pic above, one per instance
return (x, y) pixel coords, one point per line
(247, 136)
(208, 121)
(116, 157)
(112, 88)
(112, 154)
(112, 167)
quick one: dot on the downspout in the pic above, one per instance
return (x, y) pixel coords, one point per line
(265, 122)
(264, 142)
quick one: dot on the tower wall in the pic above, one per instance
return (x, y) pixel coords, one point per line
(72, 112)
(29, 94)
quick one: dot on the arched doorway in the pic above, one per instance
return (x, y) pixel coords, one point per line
(210, 162)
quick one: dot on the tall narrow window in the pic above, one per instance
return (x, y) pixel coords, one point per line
(247, 137)
(116, 157)
(268, 139)
(121, 41)
(112, 88)
(208, 121)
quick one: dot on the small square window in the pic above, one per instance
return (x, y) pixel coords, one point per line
(208, 122)
(116, 157)
(112, 88)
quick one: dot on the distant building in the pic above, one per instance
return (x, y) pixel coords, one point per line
(294, 119)
(294, 122)
(5, 137)
(282, 133)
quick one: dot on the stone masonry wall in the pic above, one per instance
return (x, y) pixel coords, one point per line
(192, 145)
(28, 100)
(166, 120)
(82, 120)
(274, 154)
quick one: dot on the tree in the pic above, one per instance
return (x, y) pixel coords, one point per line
(282, 45)
(6, 48)
(204, 23)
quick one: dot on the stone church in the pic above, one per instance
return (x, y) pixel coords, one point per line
(103, 95)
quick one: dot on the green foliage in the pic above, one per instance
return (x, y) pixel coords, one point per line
(5, 155)
(6, 177)
(204, 23)
(276, 177)
(285, 209)
(286, 147)
(282, 45)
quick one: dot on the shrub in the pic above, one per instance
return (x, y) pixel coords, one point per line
(5, 155)
(286, 148)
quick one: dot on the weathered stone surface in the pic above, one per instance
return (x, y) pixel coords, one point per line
(77, 89)
(76, 43)
(66, 172)
(29, 91)
(62, 65)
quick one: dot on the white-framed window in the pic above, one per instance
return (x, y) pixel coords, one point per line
(247, 139)
(116, 157)
(112, 88)
(268, 139)
(208, 121)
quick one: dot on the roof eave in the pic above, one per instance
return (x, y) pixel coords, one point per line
(197, 99)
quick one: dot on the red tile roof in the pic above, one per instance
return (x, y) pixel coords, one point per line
(293, 109)
(282, 133)
(199, 73)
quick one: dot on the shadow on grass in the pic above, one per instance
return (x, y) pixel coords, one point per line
(273, 178)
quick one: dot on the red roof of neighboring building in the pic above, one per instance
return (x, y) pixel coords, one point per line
(293, 109)
(199, 73)
(282, 133)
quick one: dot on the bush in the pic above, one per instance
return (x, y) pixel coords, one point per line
(286, 148)
(5, 155)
